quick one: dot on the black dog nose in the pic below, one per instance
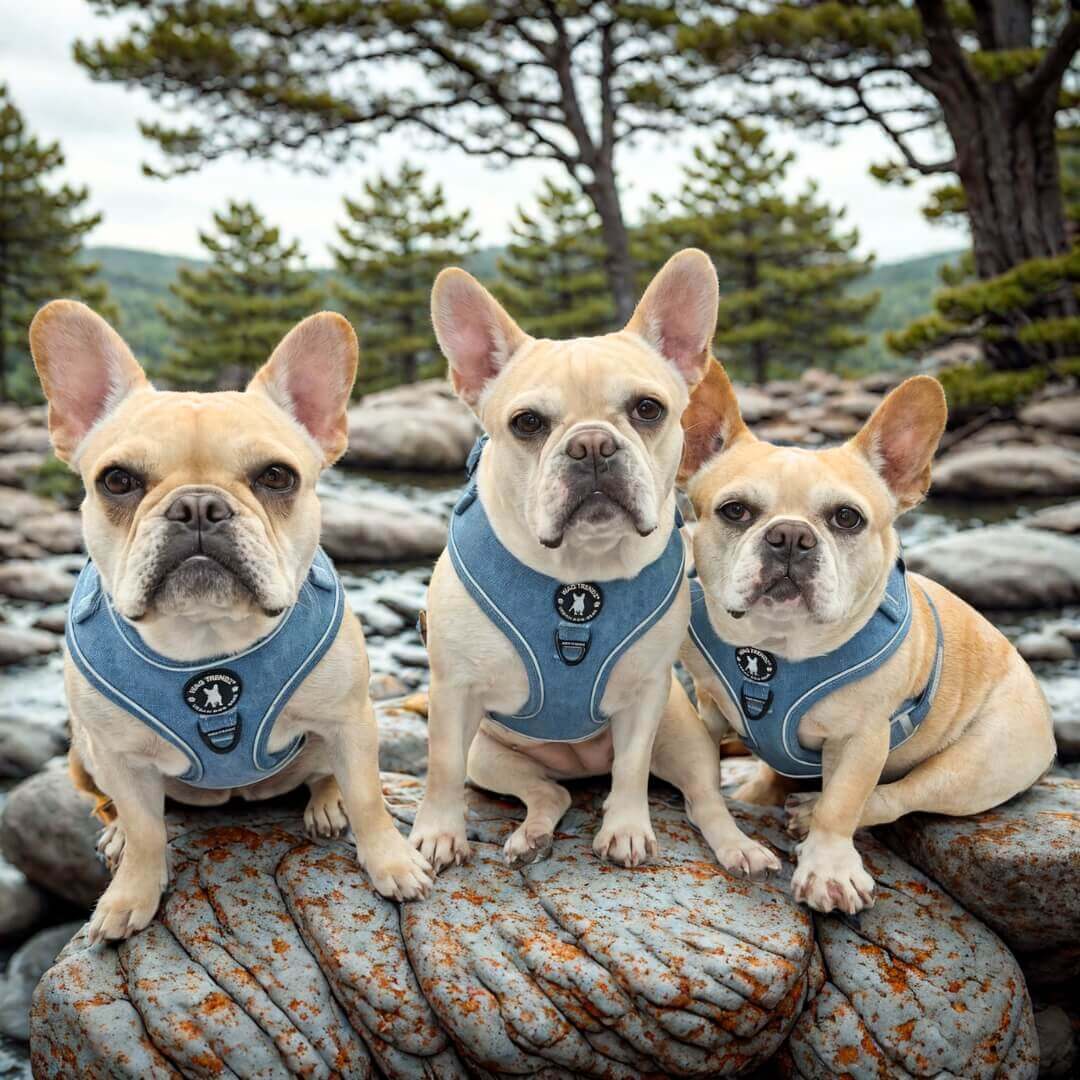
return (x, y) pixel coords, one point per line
(591, 442)
(790, 538)
(199, 510)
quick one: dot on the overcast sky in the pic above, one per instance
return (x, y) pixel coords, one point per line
(96, 125)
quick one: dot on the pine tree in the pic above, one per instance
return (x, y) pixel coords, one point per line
(783, 264)
(41, 235)
(552, 274)
(397, 237)
(227, 318)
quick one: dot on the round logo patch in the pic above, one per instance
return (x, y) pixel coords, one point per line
(578, 603)
(212, 692)
(755, 664)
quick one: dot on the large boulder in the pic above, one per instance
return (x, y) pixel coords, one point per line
(421, 426)
(22, 579)
(992, 471)
(22, 904)
(756, 405)
(59, 532)
(21, 643)
(26, 744)
(1003, 566)
(1064, 518)
(272, 955)
(17, 505)
(1061, 413)
(29, 962)
(17, 467)
(1017, 868)
(379, 528)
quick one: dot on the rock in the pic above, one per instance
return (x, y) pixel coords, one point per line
(25, 580)
(1014, 867)
(13, 546)
(1057, 1043)
(26, 745)
(414, 656)
(786, 432)
(859, 404)
(378, 529)
(22, 904)
(420, 426)
(25, 437)
(757, 405)
(59, 532)
(403, 739)
(1003, 566)
(990, 471)
(378, 620)
(52, 619)
(880, 382)
(567, 967)
(1064, 518)
(825, 382)
(406, 603)
(1061, 413)
(1045, 644)
(1067, 737)
(47, 832)
(16, 506)
(384, 686)
(26, 967)
(837, 426)
(19, 644)
(17, 467)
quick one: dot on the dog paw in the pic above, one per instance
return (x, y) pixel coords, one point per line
(325, 817)
(126, 907)
(627, 843)
(831, 876)
(528, 843)
(440, 838)
(397, 870)
(747, 857)
(799, 810)
(110, 846)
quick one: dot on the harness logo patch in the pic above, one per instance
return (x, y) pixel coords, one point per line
(578, 603)
(212, 692)
(755, 664)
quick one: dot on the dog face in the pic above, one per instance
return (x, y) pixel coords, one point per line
(794, 543)
(197, 505)
(584, 434)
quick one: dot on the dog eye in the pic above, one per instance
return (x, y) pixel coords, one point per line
(648, 410)
(119, 481)
(526, 424)
(277, 478)
(847, 518)
(736, 511)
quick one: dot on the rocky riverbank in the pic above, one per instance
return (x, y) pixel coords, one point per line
(1003, 530)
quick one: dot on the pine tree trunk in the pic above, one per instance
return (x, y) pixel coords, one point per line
(618, 262)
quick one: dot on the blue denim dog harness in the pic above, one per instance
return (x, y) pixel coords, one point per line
(569, 636)
(219, 712)
(773, 695)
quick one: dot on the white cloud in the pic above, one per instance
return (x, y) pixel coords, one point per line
(96, 124)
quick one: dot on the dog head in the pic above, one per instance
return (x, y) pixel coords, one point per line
(584, 434)
(796, 545)
(197, 505)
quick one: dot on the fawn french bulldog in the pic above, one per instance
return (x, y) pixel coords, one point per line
(210, 649)
(811, 640)
(558, 608)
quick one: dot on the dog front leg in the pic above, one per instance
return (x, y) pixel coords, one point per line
(830, 873)
(453, 721)
(130, 901)
(626, 835)
(396, 870)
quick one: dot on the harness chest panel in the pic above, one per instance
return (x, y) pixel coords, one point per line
(773, 694)
(220, 713)
(569, 635)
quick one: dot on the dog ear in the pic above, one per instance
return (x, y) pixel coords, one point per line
(901, 438)
(475, 333)
(310, 375)
(712, 421)
(85, 369)
(677, 314)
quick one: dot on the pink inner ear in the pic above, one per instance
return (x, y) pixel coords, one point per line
(82, 396)
(313, 402)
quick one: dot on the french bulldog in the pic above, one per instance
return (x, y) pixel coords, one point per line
(798, 556)
(572, 514)
(202, 525)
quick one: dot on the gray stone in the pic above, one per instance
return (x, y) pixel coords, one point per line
(374, 528)
(1061, 413)
(25, 580)
(403, 741)
(757, 405)
(857, 403)
(785, 431)
(16, 506)
(1045, 644)
(1064, 518)
(420, 426)
(384, 686)
(47, 832)
(27, 965)
(414, 656)
(27, 744)
(1017, 868)
(52, 619)
(18, 467)
(21, 643)
(1067, 737)
(59, 532)
(14, 546)
(837, 426)
(378, 619)
(1057, 1043)
(22, 904)
(1003, 566)
(990, 471)
(25, 437)
(271, 946)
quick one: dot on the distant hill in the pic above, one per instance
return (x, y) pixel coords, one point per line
(139, 282)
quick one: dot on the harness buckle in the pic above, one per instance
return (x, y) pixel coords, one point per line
(571, 643)
(220, 733)
(756, 700)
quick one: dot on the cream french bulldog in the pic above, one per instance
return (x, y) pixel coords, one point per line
(920, 704)
(202, 526)
(559, 606)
